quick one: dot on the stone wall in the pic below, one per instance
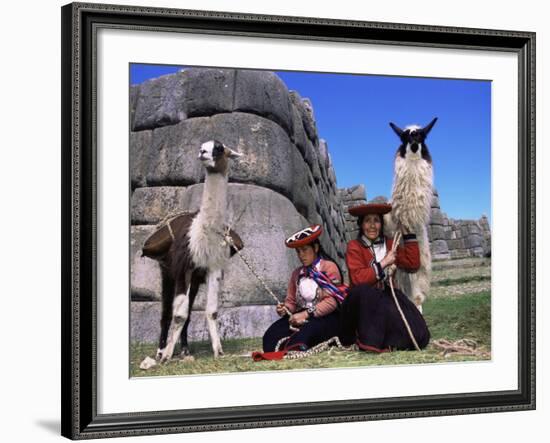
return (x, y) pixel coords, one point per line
(354, 196)
(449, 238)
(284, 181)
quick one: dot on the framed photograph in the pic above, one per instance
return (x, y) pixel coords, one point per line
(255, 204)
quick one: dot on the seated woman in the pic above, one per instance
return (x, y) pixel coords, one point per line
(369, 315)
(313, 297)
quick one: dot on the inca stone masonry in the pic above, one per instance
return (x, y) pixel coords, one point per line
(285, 181)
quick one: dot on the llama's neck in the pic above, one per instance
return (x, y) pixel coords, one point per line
(412, 192)
(214, 199)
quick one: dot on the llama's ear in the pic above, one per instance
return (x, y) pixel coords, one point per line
(428, 128)
(397, 130)
(232, 154)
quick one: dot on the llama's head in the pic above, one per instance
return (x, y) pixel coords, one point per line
(413, 145)
(215, 156)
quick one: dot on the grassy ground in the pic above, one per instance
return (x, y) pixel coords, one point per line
(459, 307)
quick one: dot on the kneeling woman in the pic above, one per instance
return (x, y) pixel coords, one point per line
(369, 315)
(313, 297)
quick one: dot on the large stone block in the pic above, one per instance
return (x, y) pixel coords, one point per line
(265, 94)
(298, 135)
(324, 209)
(456, 244)
(309, 121)
(351, 226)
(140, 147)
(151, 205)
(474, 228)
(437, 217)
(438, 232)
(331, 174)
(435, 200)
(323, 153)
(208, 91)
(341, 220)
(305, 108)
(309, 151)
(195, 92)
(161, 102)
(302, 192)
(134, 96)
(449, 233)
(358, 192)
(241, 322)
(353, 233)
(318, 195)
(316, 219)
(484, 223)
(266, 147)
(145, 275)
(312, 160)
(439, 249)
(473, 241)
(173, 157)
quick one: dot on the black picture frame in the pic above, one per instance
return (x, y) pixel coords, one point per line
(79, 211)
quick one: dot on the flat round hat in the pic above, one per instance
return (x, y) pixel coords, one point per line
(304, 236)
(370, 208)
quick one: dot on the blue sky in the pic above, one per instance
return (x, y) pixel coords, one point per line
(353, 114)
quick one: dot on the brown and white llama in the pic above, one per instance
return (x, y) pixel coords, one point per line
(412, 196)
(196, 254)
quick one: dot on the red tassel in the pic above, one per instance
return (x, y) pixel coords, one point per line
(259, 356)
(276, 355)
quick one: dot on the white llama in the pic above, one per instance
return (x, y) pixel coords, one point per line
(412, 196)
(196, 254)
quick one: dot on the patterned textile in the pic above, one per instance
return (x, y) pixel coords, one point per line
(338, 292)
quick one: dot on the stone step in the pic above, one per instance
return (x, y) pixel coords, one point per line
(238, 322)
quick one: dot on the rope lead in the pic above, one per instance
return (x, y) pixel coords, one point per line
(228, 240)
(391, 270)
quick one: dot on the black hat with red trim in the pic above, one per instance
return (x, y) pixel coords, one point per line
(304, 236)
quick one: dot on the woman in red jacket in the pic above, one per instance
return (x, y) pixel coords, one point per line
(369, 315)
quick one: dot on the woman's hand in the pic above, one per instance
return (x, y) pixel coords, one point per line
(280, 309)
(388, 260)
(299, 318)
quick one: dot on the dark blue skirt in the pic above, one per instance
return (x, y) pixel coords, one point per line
(370, 319)
(315, 331)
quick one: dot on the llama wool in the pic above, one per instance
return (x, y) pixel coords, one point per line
(412, 196)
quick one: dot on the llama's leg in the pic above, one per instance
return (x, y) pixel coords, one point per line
(166, 315)
(213, 281)
(415, 295)
(194, 288)
(421, 286)
(420, 281)
(180, 313)
(183, 337)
